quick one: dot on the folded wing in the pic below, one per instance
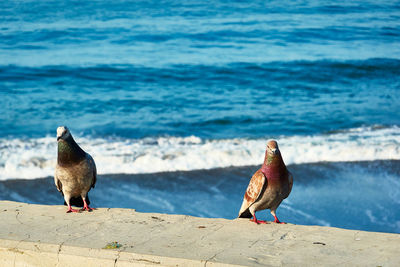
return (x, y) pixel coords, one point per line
(253, 191)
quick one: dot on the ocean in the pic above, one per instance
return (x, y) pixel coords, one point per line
(175, 101)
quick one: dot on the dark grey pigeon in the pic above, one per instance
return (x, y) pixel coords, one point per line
(75, 171)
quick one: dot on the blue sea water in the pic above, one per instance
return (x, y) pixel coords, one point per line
(169, 86)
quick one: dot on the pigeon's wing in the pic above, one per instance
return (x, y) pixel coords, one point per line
(253, 191)
(58, 182)
(290, 178)
(94, 174)
(91, 162)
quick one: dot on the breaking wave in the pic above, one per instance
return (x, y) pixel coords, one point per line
(34, 158)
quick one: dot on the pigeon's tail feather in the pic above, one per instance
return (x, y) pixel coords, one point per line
(245, 214)
(77, 201)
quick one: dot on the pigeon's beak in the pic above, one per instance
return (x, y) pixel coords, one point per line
(274, 151)
(58, 138)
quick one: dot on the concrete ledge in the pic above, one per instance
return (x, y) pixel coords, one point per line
(38, 235)
(22, 253)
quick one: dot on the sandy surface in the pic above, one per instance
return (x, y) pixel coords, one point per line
(41, 235)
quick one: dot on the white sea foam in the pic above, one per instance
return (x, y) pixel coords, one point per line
(33, 158)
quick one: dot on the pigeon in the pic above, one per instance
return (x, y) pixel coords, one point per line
(269, 185)
(75, 171)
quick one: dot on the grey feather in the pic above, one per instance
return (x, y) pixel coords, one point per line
(75, 172)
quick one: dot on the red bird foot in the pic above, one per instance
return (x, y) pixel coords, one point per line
(89, 209)
(258, 221)
(72, 210)
(86, 206)
(277, 221)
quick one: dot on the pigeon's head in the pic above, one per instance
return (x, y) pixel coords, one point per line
(62, 133)
(272, 148)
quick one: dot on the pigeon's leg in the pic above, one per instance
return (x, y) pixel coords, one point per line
(276, 218)
(70, 209)
(257, 221)
(86, 206)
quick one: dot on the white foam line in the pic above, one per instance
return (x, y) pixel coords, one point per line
(33, 158)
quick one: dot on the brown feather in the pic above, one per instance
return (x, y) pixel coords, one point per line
(271, 184)
(253, 191)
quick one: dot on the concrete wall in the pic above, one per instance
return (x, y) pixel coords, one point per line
(38, 235)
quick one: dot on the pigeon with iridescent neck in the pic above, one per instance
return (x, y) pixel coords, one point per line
(269, 185)
(75, 171)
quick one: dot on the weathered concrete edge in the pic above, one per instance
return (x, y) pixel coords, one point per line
(26, 253)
